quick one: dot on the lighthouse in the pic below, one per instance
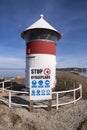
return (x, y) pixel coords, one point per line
(41, 40)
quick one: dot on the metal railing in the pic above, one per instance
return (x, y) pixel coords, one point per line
(56, 104)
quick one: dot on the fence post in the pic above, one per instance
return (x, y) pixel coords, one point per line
(74, 95)
(31, 106)
(80, 85)
(9, 98)
(49, 105)
(65, 83)
(2, 86)
(57, 100)
(11, 84)
(74, 85)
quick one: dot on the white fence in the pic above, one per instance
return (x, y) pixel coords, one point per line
(55, 102)
(10, 93)
(74, 99)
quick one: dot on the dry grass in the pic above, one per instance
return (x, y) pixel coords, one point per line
(67, 81)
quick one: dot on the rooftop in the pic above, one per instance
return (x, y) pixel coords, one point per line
(41, 24)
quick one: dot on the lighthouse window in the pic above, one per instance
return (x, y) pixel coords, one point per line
(41, 34)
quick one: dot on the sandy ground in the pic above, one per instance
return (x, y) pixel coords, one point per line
(67, 117)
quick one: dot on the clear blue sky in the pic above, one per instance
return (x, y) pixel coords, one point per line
(67, 16)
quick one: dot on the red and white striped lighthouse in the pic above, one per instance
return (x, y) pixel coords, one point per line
(41, 40)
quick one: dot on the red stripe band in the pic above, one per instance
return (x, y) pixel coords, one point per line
(41, 47)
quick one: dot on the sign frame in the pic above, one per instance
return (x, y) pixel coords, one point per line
(40, 84)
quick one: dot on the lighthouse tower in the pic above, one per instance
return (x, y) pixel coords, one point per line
(41, 40)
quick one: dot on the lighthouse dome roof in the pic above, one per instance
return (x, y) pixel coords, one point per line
(41, 24)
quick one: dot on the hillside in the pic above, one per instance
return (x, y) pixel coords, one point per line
(69, 117)
(66, 118)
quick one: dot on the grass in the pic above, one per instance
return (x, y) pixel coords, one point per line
(66, 81)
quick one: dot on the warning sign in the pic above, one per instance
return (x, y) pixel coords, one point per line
(40, 84)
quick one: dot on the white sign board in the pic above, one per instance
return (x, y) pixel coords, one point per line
(40, 84)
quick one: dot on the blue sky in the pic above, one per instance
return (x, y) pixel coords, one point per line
(67, 16)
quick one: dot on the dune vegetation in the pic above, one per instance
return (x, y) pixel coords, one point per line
(66, 81)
